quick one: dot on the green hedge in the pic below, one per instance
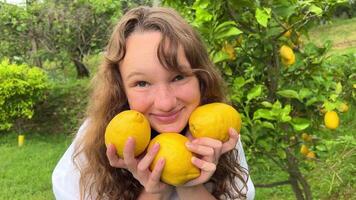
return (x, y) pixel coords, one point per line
(21, 87)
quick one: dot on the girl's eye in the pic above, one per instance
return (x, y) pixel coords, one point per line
(141, 84)
(178, 77)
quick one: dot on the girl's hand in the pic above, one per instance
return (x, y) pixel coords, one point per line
(208, 152)
(139, 167)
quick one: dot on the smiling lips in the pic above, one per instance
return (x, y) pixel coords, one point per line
(167, 118)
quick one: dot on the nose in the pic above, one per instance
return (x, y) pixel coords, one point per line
(165, 99)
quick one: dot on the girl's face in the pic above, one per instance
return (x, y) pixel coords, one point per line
(166, 98)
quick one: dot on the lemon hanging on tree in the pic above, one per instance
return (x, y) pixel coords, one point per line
(287, 55)
(129, 123)
(331, 120)
(214, 120)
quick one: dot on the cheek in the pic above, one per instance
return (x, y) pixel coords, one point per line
(137, 101)
(190, 94)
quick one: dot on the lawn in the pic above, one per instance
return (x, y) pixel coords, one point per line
(342, 33)
(25, 172)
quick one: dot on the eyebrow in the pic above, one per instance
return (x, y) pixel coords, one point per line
(134, 74)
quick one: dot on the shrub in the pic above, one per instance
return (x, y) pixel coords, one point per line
(21, 87)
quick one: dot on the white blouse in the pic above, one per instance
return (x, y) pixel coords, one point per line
(65, 177)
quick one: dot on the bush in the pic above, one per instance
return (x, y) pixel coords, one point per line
(21, 87)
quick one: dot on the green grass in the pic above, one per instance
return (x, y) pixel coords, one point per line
(25, 172)
(342, 33)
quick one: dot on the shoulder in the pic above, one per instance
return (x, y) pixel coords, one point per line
(250, 190)
(65, 176)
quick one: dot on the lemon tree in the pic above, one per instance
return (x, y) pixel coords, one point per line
(279, 82)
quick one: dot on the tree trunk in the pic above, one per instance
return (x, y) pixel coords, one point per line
(34, 47)
(299, 185)
(273, 75)
(82, 70)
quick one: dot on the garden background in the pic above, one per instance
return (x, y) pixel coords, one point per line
(288, 64)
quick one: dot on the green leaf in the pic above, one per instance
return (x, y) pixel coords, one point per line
(304, 92)
(315, 9)
(277, 105)
(220, 56)
(225, 25)
(265, 144)
(311, 101)
(268, 125)
(300, 124)
(266, 104)
(263, 114)
(263, 15)
(233, 31)
(239, 82)
(282, 154)
(338, 88)
(254, 92)
(289, 94)
(329, 106)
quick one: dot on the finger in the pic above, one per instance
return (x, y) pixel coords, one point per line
(148, 158)
(200, 149)
(208, 142)
(203, 165)
(114, 160)
(157, 171)
(129, 154)
(231, 143)
(189, 136)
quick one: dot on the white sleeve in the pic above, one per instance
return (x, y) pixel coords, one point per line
(242, 160)
(65, 176)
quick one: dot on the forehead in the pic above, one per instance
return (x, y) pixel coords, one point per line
(142, 49)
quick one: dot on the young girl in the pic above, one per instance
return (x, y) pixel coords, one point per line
(154, 63)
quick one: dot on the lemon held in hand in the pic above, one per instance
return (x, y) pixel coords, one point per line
(129, 123)
(178, 168)
(214, 120)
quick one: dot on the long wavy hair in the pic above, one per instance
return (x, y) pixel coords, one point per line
(99, 180)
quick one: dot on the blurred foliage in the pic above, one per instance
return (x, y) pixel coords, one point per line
(21, 87)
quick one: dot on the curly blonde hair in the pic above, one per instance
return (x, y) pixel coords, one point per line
(98, 179)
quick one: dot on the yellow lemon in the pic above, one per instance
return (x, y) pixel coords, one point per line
(304, 149)
(311, 155)
(343, 107)
(178, 168)
(287, 33)
(214, 120)
(127, 124)
(229, 49)
(306, 137)
(239, 40)
(331, 120)
(287, 55)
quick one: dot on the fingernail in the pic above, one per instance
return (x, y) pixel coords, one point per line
(156, 145)
(161, 161)
(195, 141)
(189, 144)
(233, 131)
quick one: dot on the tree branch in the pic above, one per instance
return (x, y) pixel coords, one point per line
(278, 183)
